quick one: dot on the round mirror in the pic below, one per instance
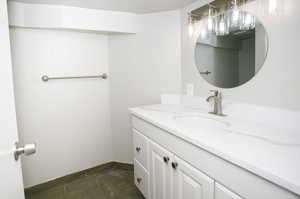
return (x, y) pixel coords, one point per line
(231, 53)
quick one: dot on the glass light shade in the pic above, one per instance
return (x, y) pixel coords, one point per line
(248, 21)
(222, 27)
(210, 24)
(191, 29)
(210, 20)
(191, 25)
(235, 15)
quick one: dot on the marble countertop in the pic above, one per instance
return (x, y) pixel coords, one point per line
(273, 154)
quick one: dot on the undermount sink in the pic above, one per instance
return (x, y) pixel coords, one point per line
(196, 121)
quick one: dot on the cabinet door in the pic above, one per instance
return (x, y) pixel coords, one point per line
(160, 172)
(191, 183)
(222, 193)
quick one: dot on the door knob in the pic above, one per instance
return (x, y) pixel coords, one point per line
(27, 149)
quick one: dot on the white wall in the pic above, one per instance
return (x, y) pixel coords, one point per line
(142, 67)
(277, 83)
(71, 18)
(78, 124)
(68, 119)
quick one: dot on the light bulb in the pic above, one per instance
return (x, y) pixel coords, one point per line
(223, 28)
(191, 25)
(210, 24)
(210, 20)
(191, 29)
(248, 20)
(235, 16)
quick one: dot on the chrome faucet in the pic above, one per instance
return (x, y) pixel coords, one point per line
(217, 98)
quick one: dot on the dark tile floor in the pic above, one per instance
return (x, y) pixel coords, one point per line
(109, 183)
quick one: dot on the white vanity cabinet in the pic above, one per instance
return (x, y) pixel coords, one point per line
(169, 176)
(168, 167)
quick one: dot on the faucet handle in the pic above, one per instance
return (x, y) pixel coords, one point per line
(215, 92)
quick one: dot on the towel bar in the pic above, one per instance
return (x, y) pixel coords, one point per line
(46, 78)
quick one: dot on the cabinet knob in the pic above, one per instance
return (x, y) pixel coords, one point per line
(138, 149)
(174, 165)
(166, 159)
(139, 180)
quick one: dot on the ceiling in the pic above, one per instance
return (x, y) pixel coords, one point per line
(136, 6)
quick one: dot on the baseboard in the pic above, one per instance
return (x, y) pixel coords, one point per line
(75, 175)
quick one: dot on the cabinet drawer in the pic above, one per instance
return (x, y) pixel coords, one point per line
(141, 148)
(223, 193)
(141, 178)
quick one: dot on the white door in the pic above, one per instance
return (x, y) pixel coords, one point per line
(11, 182)
(191, 183)
(160, 173)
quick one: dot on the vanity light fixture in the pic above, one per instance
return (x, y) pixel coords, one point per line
(221, 17)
